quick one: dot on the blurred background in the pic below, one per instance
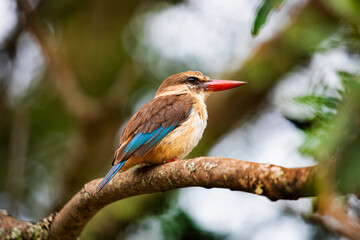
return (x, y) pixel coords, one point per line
(73, 72)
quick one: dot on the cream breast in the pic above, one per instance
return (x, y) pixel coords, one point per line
(181, 141)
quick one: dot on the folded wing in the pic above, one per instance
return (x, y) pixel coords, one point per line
(151, 124)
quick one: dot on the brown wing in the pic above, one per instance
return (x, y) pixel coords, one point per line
(164, 111)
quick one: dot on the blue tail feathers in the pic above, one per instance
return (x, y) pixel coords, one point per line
(109, 175)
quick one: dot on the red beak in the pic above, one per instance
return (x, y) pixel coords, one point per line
(219, 85)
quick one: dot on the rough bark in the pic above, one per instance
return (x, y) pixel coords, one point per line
(12, 228)
(272, 181)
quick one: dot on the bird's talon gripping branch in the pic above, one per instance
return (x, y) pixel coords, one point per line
(169, 125)
(171, 160)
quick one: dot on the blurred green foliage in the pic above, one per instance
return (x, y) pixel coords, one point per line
(327, 138)
(323, 110)
(103, 44)
(177, 224)
(332, 127)
(262, 14)
(348, 151)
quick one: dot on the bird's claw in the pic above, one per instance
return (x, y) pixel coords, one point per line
(171, 160)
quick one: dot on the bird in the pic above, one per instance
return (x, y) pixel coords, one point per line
(168, 127)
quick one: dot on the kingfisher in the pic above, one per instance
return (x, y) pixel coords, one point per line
(168, 127)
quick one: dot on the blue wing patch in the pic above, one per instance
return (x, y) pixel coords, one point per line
(141, 142)
(190, 111)
(146, 141)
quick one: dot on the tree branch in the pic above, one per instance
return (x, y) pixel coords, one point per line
(264, 179)
(268, 180)
(12, 228)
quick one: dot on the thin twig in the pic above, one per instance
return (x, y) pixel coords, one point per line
(75, 99)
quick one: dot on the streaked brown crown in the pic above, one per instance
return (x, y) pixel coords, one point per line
(181, 79)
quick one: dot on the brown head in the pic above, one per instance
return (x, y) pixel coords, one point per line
(194, 82)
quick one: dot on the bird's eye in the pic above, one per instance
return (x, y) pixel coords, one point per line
(192, 80)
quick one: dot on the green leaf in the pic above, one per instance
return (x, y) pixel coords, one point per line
(346, 77)
(262, 14)
(318, 101)
(324, 110)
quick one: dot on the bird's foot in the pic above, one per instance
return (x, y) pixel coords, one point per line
(171, 160)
